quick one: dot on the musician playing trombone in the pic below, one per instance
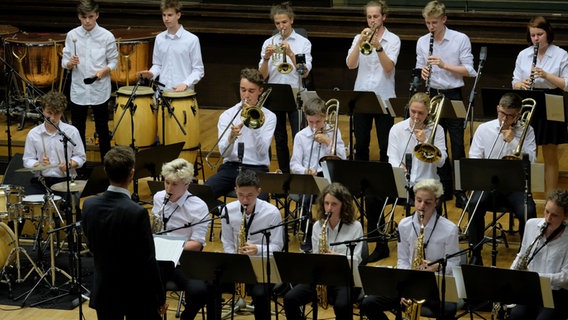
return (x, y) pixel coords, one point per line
(494, 140)
(310, 145)
(256, 142)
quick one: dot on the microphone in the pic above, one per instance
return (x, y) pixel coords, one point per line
(241, 151)
(482, 56)
(301, 61)
(90, 80)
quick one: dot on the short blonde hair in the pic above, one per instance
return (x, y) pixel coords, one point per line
(431, 185)
(178, 170)
(434, 9)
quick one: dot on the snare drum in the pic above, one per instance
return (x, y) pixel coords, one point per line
(33, 204)
(37, 56)
(10, 195)
(144, 118)
(7, 243)
(135, 47)
(187, 112)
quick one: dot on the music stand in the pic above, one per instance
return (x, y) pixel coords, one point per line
(314, 269)
(505, 286)
(97, 182)
(491, 96)
(149, 162)
(364, 178)
(281, 98)
(498, 176)
(287, 183)
(398, 106)
(399, 283)
(217, 268)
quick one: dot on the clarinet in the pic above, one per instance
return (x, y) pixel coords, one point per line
(535, 56)
(430, 52)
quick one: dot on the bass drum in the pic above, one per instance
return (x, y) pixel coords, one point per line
(185, 108)
(7, 243)
(135, 46)
(144, 118)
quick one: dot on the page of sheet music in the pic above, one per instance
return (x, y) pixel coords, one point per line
(168, 248)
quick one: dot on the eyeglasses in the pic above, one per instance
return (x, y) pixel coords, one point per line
(509, 116)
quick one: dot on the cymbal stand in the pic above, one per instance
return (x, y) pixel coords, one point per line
(165, 104)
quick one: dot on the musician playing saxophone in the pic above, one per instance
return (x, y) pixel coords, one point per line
(334, 202)
(259, 214)
(548, 256)
(493, 140)
(440, 239)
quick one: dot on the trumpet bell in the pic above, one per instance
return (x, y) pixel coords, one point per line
(428, 153)
(366, 48)
(285, 68)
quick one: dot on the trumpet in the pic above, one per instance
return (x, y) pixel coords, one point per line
(366, 47)
(279, 55)
(427, 151)
(251, 116)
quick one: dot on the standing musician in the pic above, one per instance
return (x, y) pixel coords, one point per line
(44, 147)
(494, 140)
(173, 208)
(439, 238)
(545, 250)
(90, 51)
(547, 70)
(375, 72)
(177, 52)
(250, 214)
(127, 279)
(256, 141)
(272, 57)
(444, 55)
(336, 223)
(311, 144)
(411, 132)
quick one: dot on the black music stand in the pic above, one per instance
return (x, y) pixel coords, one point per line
(364, 178)
(502, 285)
(287, 183)
(281, 98)
(351, 102)
(314, 269)
(399, 107)
(498, 176)
(217, 268)
(149, 162)
(97, 182)
(398, 283)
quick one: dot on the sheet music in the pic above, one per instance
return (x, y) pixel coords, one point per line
(459, 109)
(546, 291)
(400, 181)
(259, 268)
(554, 107)
(459, 283)
(169, 248)
(451, 288)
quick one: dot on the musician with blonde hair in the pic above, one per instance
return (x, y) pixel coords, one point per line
(440, 238)
(545, 250)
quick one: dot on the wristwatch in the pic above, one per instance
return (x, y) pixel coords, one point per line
(379, 49)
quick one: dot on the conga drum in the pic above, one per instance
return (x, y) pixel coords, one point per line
(144, 117)
(185, 108)
(135, 47)
(37, 56)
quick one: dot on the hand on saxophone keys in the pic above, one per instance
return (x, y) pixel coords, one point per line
(249, 249)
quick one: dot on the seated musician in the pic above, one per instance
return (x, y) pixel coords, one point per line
(256, 141)
(235, 235)
(336, 220)
(544, 250)
(310, 145)
(173, 208)
(44, 149)
(494, 140)
(440, 238)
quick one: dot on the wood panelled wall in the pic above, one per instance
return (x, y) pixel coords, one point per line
(231, 37)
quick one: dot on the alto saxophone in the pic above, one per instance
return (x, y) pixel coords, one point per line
(240, 289)
(321, 289)
(523, 262)
(157, 221)
(412, 311)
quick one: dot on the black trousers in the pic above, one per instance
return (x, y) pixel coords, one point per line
(363, 125)
(281, 137)
(374, 308)
(560, 311)
(79, 120)
(302, 294)
(223, 181)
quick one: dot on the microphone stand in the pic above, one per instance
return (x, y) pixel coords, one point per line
(301, 87)
(165, 103)
(189, 224)
(470, 107)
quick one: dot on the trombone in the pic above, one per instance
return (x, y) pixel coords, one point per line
(332, 119)
(252, 117)
(427, 151)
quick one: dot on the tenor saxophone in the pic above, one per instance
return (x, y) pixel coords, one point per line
(412, 311)
(321, 289)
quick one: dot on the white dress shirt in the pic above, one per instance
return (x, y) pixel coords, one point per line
(454, 49)
(399, 135)
(298, 44)
(348, 232)
(370, 73)
(555, 61)
(487, 133)
(256, 141)
(40, 142)
(552, 260)
(303, 143)
(265, 215)
(187, 209)
(177, 59)
(96, 50)
(440, 239)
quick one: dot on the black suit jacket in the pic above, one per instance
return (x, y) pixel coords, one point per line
(126, 273)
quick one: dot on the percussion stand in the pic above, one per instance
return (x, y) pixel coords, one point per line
(8, 103)
(165, 103)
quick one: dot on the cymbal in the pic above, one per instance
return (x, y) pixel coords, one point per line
(74, 186)
(40, 167)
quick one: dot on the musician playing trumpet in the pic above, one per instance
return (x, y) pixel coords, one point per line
(494, 140)
(547, 240)
(440, 238)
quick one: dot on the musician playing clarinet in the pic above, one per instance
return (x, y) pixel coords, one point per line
(494, 140)
(545, 250)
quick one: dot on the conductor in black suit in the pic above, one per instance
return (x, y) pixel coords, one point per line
(127, 280)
